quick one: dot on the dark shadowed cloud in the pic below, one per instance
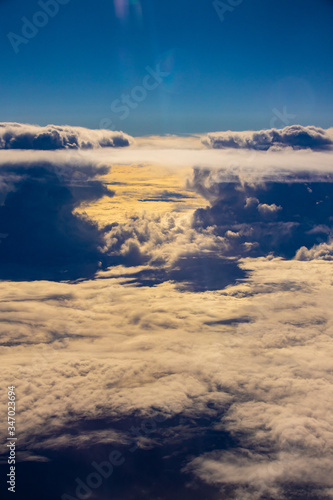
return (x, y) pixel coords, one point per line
(263, 218)
(43, 237)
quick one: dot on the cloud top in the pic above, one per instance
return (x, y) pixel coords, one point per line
(51, 137)
(294, 136)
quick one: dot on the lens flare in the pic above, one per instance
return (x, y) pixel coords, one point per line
(125, 8)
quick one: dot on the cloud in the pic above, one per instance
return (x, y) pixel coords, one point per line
(294, 136)
(171, 249)
(242, 377)
(43, 237)
(195, 273)
(273, 202)
(259, 218)
(234, 355)
(323, 251)
(228, 164)
(168, 321)
(53, 137)
(265, 209)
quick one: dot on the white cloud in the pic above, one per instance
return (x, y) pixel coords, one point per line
(265, 209)
(266, 381)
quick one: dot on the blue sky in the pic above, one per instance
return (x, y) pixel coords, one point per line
(267, 64)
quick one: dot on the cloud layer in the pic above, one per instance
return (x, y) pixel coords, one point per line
(242, 377)
(214, 367)
(52, 137)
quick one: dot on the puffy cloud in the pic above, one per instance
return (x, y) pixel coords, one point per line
(171, 249)
(294, 136)
(265, 209)
(242, 377)
(258, 218)
(52, 137)
(323, 251)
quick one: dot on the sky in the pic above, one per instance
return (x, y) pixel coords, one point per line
(249, 66)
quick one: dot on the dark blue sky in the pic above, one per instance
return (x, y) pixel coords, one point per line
(269, 63)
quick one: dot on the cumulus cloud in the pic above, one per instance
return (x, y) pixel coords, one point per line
(323, 251)
(265, 209)
(53, 137)
(294, 136)
(258, 218)
(171, 250)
